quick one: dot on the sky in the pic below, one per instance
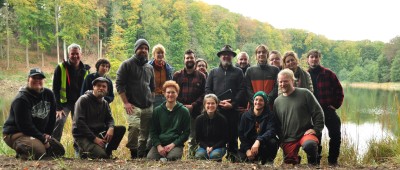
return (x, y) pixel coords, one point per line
(375, 20)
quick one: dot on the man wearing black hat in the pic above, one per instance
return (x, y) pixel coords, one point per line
(226, 81)
(135, 85)
(93, 125)
(31, 121)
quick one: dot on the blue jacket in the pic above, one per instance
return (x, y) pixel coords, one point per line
(168, 67)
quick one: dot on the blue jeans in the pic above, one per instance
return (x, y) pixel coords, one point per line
(215, 154)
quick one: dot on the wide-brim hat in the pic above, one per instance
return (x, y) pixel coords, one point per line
(228, 49)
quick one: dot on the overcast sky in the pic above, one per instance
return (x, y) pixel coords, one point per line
(376, 20)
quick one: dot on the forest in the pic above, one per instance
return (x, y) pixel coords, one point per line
(109, 28)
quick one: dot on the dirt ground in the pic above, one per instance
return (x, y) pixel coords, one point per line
(7, 162)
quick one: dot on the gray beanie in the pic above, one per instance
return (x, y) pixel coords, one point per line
(140, 42)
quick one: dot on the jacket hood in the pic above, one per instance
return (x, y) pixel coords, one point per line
(26, 91)
(250, 114)
(176, 107)
(90, 94)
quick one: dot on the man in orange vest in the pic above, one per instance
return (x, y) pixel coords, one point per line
(67, 84)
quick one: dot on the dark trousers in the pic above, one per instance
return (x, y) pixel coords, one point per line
(333, 124)
(232, 116)
(266, 153)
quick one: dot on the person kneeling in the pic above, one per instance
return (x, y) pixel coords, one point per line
(93, 125)
(211, 130)
(170, 126)
(31, 121)
(257, 132)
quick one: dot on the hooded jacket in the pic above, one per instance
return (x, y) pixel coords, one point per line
(87, 85)
(32, 113)
(170, 126)
(168, 68)
(267, 123)
(91, 117)
(212, 132)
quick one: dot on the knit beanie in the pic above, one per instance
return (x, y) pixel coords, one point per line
(263, 95)
(140, 42)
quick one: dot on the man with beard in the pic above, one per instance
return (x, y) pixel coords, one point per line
(300, 118)
(329, 92)
(226, 81)
(243, 61)
(93, 125)
(262, 77)
(192, 84)
(135, 85)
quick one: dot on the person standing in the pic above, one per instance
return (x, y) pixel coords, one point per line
(303, 78)
(243, 61)
(135, 85)
(262, 77)
(93, 125)
(162, 72)
(275, 59)
(170, 126)
(226, 81)
(300, 119)
(257, 132)
(31, 121)
(329, 93)
(102, 68)
(192, 84)
(202, 66)
(67, 83)
(211, 128)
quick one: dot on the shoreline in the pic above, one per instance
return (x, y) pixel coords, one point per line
(374, 86)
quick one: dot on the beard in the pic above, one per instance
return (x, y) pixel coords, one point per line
(226, 63)
(100, 94)
(189, 65)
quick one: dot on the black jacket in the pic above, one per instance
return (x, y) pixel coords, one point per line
(73, 88)
(32, 113)
(219, 81)
(211, 132)
(247, 132)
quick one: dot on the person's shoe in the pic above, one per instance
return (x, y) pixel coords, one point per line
(134, 153)
(232, 157)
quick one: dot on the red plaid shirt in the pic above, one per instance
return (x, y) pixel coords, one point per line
(328, 88)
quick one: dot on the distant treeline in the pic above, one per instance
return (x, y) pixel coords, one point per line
(178, 25)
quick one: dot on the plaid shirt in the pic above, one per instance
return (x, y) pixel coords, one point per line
(328, 88)
(192, 89)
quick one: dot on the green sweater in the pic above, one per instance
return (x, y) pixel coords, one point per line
(297, 113)
(170, 126)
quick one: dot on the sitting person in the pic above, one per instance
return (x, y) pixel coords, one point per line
(257, 132)
(31, 121)
(211, 130)
(170, 126)
(300, 119)
(93, 125)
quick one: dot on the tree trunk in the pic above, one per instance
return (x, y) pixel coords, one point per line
(65, 51)
(98, 39)
(8, 37)
(40, 34)
(37, 42)
(101, 49)
(27, 55)
(56, 17)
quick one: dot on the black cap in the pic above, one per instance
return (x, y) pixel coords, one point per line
(100, 79)
(36, 71)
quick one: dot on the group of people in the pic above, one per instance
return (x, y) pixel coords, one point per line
(266, 106)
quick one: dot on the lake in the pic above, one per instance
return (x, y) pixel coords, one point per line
(366, 115)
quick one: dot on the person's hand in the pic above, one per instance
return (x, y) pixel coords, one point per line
(109, 134)
(161, 151)
(226, 104)
(99, 142)
(209, 149)
(60, 114)
(47, 145)
(169, 147)
(255, 147)
(250, 155)
(310, 132)
(189, 107)
(129, 108)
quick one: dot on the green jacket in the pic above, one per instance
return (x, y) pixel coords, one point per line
(170, 126)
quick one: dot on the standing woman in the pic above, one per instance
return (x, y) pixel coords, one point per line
(303, 78)
(102, 68)
(31, 121)
(211, 130)
(162, 72)
(201, 65)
